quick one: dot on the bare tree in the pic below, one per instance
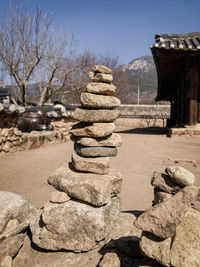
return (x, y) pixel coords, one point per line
(61, 75)
(23, 40)
(31, 52)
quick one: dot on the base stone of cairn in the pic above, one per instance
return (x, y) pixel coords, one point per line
(85, 216)
(171, 232)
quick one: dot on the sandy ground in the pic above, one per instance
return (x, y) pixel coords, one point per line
(143, 152)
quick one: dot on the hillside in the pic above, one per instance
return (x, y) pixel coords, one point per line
(141, 71)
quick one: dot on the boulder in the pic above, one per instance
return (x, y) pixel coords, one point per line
(101, 88)
(162, 219)
(114, 140)
(96, 115)
(95, 151)
(100, 77)
(180, 175)
(74, 226)
(180, 250)
(94, 189)
(163, 182)
(185, 247)
(101, 69)
(99, 101)
(92, 129)
(94, 165)
(13, 206)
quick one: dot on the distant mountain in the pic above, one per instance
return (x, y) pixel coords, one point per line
(142, 71)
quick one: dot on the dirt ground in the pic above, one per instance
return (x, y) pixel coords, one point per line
(143, 152)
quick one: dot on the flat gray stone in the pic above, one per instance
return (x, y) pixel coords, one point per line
(114, 140)
(162, 219)
(94, 189)
(163, 182)
(92, 129)
(101, 69)
(74, 226)
(180, 175)
(95, 151)
(99, 101)
(96, 115)
(94, 165)
(101, 88)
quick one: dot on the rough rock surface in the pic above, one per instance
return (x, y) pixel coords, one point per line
(28, 256)
(155, 248)
(100, 77)
(101, 88)
(94, 165)
(92, 188)
(59, 197)
(95, 151)
(74, 226)
(180, 175)
(99, 101)
(11, 245)
(114, 140)
(160, 196)
(185, 247)
(110, 260)
(6, 261)
(180, 250)
(163, 182)
(162, 219)
(96, 115)
(93, 130)
(102, 69)
(13, 206)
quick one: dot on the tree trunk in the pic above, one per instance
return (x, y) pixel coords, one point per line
(23, 88)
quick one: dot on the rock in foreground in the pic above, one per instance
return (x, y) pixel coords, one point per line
(74, 226)
(94, 189)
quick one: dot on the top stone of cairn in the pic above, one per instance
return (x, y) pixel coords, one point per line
(101, 69)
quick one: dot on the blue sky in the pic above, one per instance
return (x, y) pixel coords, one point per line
(123, 27)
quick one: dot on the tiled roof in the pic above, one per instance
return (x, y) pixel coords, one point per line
(188, 41)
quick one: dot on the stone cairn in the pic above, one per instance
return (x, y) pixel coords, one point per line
(81, 213)
(171, 232)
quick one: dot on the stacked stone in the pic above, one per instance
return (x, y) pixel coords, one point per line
(10, 139)
(171, 233)
(93, 135)
(83, 209)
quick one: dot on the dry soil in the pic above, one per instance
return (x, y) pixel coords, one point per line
(143, 152)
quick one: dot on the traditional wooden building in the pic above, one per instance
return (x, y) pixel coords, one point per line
(177, 59)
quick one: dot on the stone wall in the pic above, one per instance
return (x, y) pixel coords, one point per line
(142, 110)
(12, 140)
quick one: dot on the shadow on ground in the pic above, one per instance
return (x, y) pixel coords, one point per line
(147, 130)
(137, 213)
